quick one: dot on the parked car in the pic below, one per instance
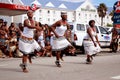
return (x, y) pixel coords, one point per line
(80, 30)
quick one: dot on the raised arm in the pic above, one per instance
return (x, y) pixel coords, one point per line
(37, 27)
(32, 24)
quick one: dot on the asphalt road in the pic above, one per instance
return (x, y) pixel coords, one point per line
(106, 66)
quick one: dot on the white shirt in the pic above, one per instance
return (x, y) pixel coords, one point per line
(61, 30)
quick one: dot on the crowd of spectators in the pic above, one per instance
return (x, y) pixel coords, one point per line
(10, 34)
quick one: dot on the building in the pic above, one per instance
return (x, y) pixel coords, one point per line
(50, 11)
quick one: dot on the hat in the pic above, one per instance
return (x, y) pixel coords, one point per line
(64, 13)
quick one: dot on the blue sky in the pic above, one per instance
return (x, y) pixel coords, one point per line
(109, 3)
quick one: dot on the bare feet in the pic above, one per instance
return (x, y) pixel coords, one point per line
(58, 63)
(25, 70)
(23, 66)
(88, 61)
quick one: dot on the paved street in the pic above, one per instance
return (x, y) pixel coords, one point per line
(106, 66)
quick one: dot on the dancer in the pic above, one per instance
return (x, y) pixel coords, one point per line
(91, 43)
(27, 45)
(59, 41)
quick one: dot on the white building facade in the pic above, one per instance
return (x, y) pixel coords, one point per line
(49, 13)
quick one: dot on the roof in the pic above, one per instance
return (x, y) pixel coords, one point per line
(12, 9)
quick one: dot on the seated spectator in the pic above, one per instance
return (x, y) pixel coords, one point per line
(3, 41)
(20, 25)
(48, 49)
(1, 22)
(13, 45)
(13, 31)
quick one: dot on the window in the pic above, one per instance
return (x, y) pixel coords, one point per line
(40, 11)
(25, 17)
(53, 12)
(103, 30)
(71, 27)
(40, 19)
(48, 19)
(90, 15)
(96, 29)
(48, 12)
(12, 1)
(87, 26)
(95, 16)
(80, 27)
(53, 19)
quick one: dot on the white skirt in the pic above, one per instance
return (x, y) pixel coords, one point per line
(28, 46)
(60, 43)
(89, 47)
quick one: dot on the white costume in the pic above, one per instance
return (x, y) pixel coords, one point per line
(61, 42)
(41, 39)
(27, 44)
(89, 45)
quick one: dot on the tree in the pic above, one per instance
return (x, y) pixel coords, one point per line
(111, 13)
(102, 9)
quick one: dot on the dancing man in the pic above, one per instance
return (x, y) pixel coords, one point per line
(27, 45)
(59, 42)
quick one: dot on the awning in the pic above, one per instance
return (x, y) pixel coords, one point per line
(13, 9)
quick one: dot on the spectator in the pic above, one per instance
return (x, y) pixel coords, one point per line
(3, 40)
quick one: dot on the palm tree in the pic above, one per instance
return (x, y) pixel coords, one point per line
(111, 13)
(102, 9)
